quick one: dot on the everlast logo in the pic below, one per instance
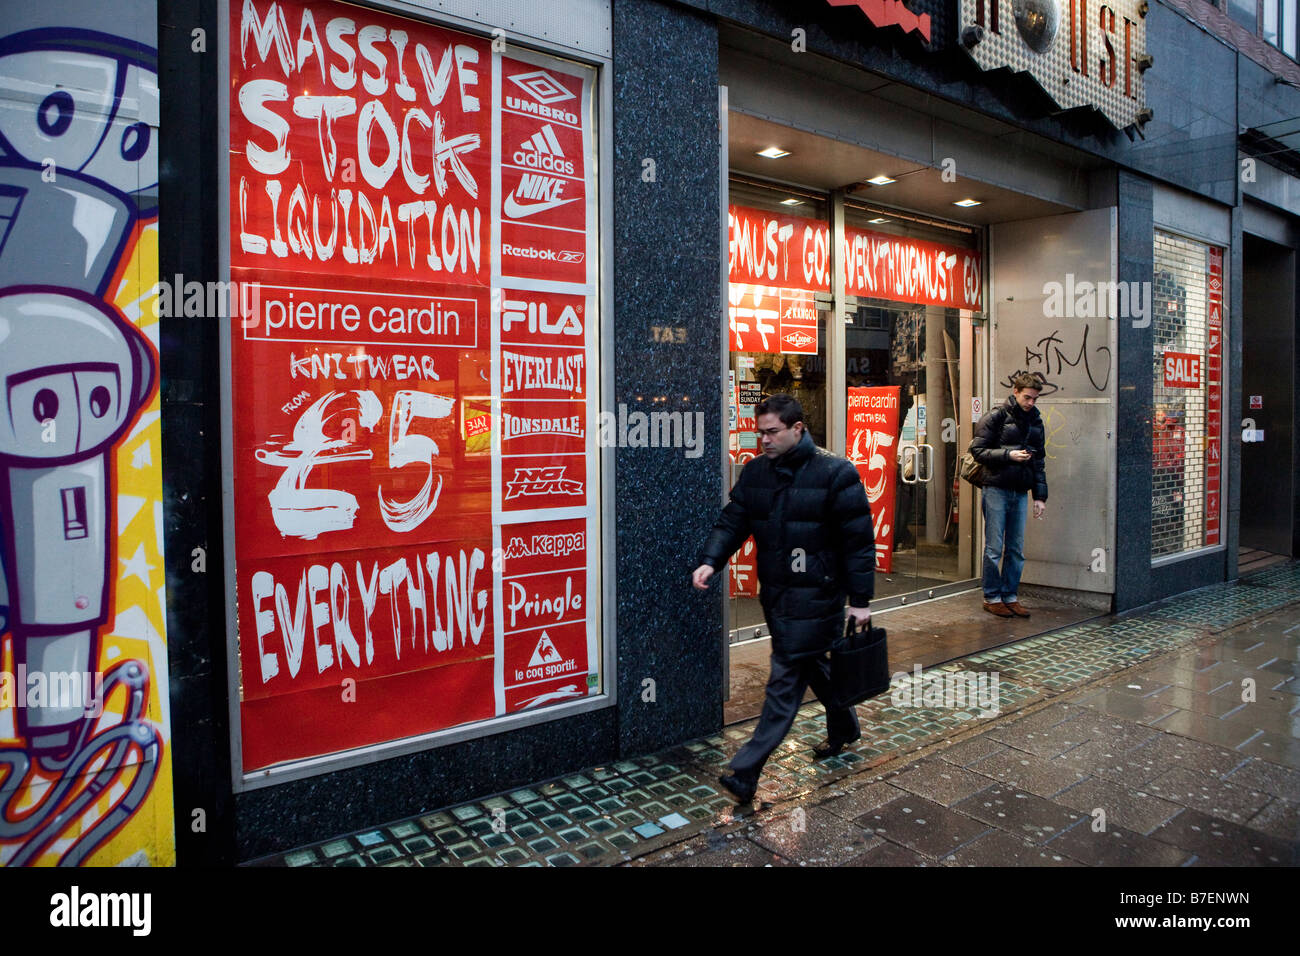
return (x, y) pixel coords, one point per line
(1081, 52)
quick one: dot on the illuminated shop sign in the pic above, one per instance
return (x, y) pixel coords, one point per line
(1081, 52)
(889, 13)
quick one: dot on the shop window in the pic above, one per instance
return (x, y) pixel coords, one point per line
(413, 390)
(1186, 441)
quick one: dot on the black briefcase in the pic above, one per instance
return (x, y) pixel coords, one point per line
(859, 664)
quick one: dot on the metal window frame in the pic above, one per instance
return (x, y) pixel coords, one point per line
(603, 86)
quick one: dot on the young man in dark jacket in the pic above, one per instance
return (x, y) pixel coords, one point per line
(1009, 442)
(808, 513)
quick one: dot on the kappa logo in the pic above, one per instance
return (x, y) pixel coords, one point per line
(798, 339)
(542, 151)
(541, 481)
(542, 87)
(545, 652)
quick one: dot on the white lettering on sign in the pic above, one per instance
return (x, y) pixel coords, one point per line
(1182, 370)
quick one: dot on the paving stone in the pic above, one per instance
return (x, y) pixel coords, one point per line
(889, 854)
(1209, 794)
(1123, 735)
(1225, 842)
(1280, 818)
(857, 802)
(1197, 701)
(1229, 732)
(1171, 751)
(1142, 709)
(942, 782)
(969, 751)
(1134, 810)
(713, 850)
(920, 825)
(1116, 846)
(1042, 743)
(812, 837)
(1099, 758)
(1269, 777)
(1274, 748)
(1020, 813)
(1028, 772)
(1003, 849)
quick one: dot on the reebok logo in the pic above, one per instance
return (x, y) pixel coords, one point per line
(542, 151)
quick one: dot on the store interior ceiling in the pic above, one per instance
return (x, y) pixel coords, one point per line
(816, 162)
(824, 163)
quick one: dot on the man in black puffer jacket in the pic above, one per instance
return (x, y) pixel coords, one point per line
(808, 513)
(1009, 442)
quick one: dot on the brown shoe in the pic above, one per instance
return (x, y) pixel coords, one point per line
(1016, 608)
(998, 609)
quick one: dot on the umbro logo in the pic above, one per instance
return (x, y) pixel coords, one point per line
(542, 87)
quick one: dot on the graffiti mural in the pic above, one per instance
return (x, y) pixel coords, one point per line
(84, 765)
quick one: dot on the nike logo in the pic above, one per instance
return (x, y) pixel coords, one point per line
(515, 211)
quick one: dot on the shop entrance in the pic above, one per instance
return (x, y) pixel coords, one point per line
(1268, 467)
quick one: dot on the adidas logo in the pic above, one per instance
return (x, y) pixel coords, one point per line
(542, 151)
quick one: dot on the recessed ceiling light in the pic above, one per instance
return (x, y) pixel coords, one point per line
(968, 202)
(881, 180)
(791, 202)
(773, 152)
(878, 220)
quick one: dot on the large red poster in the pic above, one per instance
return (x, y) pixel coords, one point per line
(382, 377)
(873, 446)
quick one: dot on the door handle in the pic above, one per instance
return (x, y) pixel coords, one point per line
(909, 450)
(925, 465)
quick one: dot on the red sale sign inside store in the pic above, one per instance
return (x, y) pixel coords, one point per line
(396, 407)
(873, 447)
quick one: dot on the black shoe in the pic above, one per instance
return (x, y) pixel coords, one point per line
(832, 747)
(742, 790)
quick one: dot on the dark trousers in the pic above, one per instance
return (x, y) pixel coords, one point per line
(785, 689)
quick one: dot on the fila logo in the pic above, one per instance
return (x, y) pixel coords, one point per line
(542, 151)
(538, 319)
(541, 481)
(538, 193)
(542, 87)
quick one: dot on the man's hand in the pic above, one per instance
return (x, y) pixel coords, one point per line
(861, 616)
(700, 577)
(1039, 508)
(1020, 454)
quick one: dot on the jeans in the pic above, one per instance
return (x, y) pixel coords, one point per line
(1004, 540)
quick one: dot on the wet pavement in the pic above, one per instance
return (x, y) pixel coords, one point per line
(1169, 737)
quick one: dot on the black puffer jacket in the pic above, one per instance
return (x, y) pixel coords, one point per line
(812, 500)
(1003, 430)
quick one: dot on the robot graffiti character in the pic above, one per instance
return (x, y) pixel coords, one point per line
(77, 176)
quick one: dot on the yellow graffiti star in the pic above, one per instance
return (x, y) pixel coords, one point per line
(137, 565)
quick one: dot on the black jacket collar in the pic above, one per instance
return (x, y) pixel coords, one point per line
(797, 455)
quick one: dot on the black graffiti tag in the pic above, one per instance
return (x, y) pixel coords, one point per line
(1047, 360)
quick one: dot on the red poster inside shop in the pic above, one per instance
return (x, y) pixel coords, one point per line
(361, 190)
(1214, 394)
(546, 649)
(544, 208)
(873, 448)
